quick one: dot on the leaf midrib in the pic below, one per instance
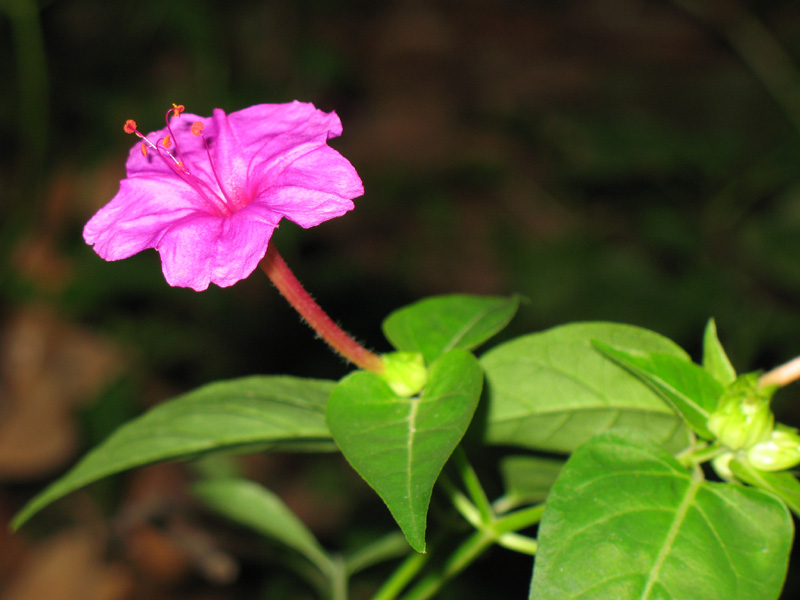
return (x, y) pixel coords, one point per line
(680, 516)
(412, 430)
(467, 327)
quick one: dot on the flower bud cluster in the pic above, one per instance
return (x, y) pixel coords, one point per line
(743, 416)
(744, 422)
(778, 452)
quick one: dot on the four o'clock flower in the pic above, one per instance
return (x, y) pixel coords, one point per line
(207, 192)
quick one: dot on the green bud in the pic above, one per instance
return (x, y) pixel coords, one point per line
(405, 372)
(780, 451)
(743, 417)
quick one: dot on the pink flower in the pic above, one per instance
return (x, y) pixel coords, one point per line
(207, 193)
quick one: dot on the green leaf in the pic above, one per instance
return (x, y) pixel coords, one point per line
(715, 360)
(528, 479)
(553, 390)
(435, 325)
(400, 445)
(276, 413)
(781, 483)
(255, 507)
(625, 521)
(688, 388)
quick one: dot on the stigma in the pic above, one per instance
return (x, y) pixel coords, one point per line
(162, 145)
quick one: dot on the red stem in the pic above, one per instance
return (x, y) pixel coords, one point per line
(282, 277)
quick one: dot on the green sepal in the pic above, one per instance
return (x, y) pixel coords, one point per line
(405, 372)
(715, 359)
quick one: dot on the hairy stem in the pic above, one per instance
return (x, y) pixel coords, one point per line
(282, 277)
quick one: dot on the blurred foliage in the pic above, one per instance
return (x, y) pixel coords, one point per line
(634, 160)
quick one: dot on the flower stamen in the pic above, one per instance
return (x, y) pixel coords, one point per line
(176, 111)
(130, 127)
(176, 161)
(197, 130)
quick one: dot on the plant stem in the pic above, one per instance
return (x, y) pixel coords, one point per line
(400, 578)
(463, 504)
(389, 547)
(700, 455)
(282, 277)
(519, 543)
(491, 529)
(465, 554)
(338, 579)
(519, 519)
(782, 375)
(473, 485)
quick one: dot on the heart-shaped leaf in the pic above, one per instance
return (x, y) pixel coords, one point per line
(435, 325)
(277, 413)
(625, 521)
(553, 390)
(400, 445)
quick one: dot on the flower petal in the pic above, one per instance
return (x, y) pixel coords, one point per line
(263, 121)
(207, 249)
(230, 158)
(316, 187)
(251, 147)
(140, 213)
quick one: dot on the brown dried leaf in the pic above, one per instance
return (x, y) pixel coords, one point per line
(69, 567)
(47, 368)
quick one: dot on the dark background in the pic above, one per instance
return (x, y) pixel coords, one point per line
(629, 160)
